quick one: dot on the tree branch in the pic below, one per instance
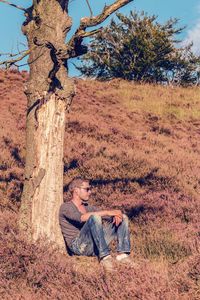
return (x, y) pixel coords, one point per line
(9, 62)
(83, 34)
(90, 9)
(107, 11)
(13, 5)
(74, 45)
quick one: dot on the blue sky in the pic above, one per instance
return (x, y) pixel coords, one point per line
(187, 11)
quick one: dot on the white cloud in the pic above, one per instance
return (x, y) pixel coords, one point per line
(193, 35)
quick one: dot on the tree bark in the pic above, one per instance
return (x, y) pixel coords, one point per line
(49, 92)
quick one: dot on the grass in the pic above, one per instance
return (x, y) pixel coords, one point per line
(179, 103)
(160, 244)
(140, 146)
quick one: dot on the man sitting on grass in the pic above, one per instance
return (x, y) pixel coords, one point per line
(83, 230)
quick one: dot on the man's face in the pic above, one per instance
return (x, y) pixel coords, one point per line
(84, 191)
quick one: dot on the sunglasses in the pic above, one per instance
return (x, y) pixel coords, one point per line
(88, 189)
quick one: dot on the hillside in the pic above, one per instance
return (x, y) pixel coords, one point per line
(140, 146)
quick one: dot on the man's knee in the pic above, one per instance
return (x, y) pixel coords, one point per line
(95, 219)
(125, 218)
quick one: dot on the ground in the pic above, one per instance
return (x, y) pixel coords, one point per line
(140, 146)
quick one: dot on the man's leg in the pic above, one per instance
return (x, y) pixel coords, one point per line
(123, 236)
(121, 232)
(91, 239)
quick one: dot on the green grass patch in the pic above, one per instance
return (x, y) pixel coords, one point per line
(158, 244)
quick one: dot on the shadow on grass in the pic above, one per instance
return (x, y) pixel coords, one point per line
(142, 181)
(137, 210)
(146, 180)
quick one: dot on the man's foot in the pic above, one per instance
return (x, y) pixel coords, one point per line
(125, 259)
(107, 263)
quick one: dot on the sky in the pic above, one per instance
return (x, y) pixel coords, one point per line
(188, 12)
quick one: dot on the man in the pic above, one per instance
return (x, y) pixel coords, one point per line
(85, 233)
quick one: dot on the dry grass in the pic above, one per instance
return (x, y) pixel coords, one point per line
(140, 146)
(166, 102)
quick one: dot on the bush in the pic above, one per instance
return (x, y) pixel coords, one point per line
(139, 48)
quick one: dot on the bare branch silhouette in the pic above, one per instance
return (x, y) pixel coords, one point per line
(74, 45)
(90, 9)
(87, 22)
(13, 5)
(9, 62)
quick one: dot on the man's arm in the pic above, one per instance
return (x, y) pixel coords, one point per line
(70, 213)
(116, 213)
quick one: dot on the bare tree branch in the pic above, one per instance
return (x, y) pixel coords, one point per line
(90, 9)
(74, 45)
(75, 48)
(9, 54)
(30, 62)
(107, 11)
(9, 62)
(13, 5)
(83, 34)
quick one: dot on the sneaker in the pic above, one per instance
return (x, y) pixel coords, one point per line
(107, 263)
(125, 259)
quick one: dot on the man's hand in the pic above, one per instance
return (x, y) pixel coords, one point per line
(117, 216)
(117, 220)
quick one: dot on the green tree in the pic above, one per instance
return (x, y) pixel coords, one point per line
(185, 69)
(139, 48)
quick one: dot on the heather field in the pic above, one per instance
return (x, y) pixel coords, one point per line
(140, 146)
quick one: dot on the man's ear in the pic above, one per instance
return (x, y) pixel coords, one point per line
(76, 190)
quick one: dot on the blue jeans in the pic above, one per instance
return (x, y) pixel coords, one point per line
(94, 237)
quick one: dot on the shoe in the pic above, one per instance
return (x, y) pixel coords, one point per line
(126, 260)
(107, 263)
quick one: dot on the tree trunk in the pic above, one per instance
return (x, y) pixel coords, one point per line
(49, 92)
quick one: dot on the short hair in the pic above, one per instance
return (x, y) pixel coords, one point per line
(76, 182)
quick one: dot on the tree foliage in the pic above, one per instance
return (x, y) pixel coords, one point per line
(139, 48)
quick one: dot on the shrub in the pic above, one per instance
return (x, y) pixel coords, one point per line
(139, 48)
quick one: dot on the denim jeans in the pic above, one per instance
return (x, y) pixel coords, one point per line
(94, 237)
